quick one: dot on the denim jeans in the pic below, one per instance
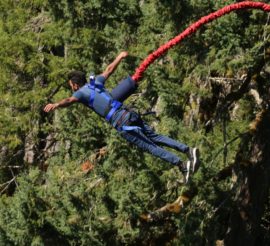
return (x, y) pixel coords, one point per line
(148, 140)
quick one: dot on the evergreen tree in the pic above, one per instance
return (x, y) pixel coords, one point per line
(206, 92)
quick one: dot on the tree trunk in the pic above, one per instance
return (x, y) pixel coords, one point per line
(252, 172)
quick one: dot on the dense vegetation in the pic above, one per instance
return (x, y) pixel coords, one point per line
(212, 91)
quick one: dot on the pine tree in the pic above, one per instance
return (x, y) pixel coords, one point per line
(201, 91)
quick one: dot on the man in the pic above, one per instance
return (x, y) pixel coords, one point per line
(127, 122)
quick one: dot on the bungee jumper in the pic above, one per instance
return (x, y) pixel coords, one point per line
(127, 122)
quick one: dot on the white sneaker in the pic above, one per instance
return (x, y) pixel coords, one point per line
(184, 168)
(194, 155)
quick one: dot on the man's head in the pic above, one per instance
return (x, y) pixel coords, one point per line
(76, 80)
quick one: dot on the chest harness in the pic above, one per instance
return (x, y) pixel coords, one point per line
(114, 105)
(94, 88)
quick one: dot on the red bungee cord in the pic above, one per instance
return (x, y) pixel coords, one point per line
(193, 28)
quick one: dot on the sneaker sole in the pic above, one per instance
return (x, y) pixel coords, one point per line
(196, 160)
(188, 171)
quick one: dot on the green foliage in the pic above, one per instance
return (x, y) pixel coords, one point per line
(40, 42)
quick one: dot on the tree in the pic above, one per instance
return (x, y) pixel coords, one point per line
(206, 93)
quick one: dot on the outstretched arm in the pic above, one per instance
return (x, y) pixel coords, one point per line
(63, 103)
(110, 69)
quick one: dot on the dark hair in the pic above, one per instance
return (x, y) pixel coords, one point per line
(77, 77)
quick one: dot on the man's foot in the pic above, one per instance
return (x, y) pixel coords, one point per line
(194, 155)
(184, 168)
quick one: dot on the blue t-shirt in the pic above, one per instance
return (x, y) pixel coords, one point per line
(102, 100)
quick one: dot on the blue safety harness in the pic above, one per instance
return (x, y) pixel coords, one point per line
(114, 104)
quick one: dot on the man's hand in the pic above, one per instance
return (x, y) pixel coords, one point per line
(63, 103)
(50, 107)
(123, 54)
(110, 69)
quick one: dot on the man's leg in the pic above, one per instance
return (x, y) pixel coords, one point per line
(164, 140)
(139, 139)
(192, 153)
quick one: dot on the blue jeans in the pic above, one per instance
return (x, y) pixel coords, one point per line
(148, 140)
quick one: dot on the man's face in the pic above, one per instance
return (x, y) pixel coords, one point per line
(73, 86)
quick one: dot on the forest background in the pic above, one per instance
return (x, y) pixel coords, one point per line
(67, 178)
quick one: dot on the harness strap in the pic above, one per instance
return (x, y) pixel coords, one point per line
(120, 121)
(114, 104)
(92, 96)
(129, 128)
(92, 86)
(120, 127)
